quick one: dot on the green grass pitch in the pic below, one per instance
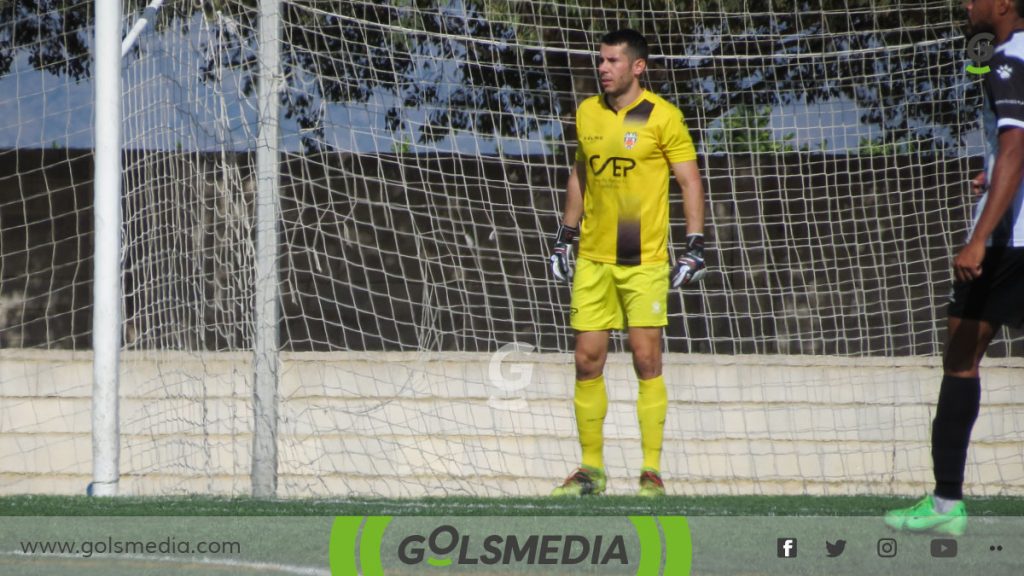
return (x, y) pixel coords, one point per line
(464, 506)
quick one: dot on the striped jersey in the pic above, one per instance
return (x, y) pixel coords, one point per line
(1004, 109)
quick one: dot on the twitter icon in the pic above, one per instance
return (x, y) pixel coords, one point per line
(835, 549)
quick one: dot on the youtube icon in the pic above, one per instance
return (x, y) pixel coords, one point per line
(943, 548)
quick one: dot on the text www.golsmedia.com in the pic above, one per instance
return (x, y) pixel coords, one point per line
(89, 548)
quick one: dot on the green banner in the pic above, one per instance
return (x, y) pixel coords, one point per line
(641, 545)
(501, 545)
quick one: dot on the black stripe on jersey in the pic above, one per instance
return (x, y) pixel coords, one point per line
(641, 113)
(627, 245)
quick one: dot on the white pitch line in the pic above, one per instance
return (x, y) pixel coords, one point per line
(261, 566)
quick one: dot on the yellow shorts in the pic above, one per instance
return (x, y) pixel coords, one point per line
(603, 293)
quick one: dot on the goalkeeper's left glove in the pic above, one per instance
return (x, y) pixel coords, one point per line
(689, 266)
(560, 266)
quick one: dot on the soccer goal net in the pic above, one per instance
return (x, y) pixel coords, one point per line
(424, 151)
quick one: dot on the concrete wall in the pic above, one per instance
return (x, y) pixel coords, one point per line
(411, 424)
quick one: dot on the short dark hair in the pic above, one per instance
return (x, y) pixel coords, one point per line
(635, 42)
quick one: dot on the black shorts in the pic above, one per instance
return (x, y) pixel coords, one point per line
(997, 296)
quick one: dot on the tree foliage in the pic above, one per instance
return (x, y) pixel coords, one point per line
(504, 67)
(51, 34)
(745, 129)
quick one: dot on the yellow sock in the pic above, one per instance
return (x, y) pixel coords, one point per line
(651, 407)
(591, 403)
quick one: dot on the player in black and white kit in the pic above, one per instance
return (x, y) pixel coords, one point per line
(988, 291)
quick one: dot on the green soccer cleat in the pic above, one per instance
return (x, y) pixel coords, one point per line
(922, 517)
(651, 485)
(584, 481)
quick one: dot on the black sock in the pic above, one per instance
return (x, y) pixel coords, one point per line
(959, 400)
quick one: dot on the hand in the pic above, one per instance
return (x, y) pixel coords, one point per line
(978, 184)
(690, 266)
(967, 263)
(560, 266)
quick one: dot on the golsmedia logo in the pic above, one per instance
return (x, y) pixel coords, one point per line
(378, 545)
(545, 549)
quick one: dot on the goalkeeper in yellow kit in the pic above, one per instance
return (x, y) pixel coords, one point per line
(628, 141)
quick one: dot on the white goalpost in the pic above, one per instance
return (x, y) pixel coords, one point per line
(108, 272)
(106, 332)
(266, 366)
(319, 247)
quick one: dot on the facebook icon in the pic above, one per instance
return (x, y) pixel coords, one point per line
(787, 547)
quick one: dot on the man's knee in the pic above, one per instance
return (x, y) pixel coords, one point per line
(647, 363)
(965, 347)
(589, 363)
(960, 364)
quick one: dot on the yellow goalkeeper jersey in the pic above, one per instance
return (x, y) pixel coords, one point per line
(627, 155)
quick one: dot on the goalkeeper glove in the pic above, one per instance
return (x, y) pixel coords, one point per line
(563, 249)
(689, 266)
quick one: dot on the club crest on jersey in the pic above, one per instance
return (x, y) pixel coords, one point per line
(630, 139)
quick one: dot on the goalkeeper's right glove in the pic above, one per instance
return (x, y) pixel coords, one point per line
(690, 266)
(560, 265)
